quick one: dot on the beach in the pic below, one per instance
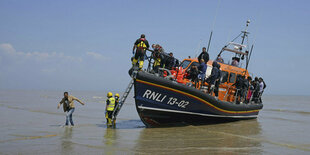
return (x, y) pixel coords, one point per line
(32, 124)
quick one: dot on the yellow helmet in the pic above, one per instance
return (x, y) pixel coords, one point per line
(116, 95)
(109, 94)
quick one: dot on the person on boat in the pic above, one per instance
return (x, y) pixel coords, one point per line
(153, 46)
(244, 89)
(262, 86)
(109, 108)
(239, 85)
(141, 45)
(213, 77)
(176, 62)
(235, 61)
(204, 55)
(255, 98)
(157, 47)
(160, 48)
(202, 68)
(68, 106)
(250, 90)
(193, 73)
(171, 62)
(158, 58)
(219, 59)
(217, 81)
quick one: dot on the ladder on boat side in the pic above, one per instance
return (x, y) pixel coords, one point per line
(122, 100)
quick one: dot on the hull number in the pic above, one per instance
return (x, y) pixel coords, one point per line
(158, 97)
(174, 101)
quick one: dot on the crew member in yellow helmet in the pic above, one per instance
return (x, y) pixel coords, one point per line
(110, 108)
(141, 45)
(116, 96)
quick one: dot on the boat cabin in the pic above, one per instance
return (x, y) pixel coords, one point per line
(228, 78)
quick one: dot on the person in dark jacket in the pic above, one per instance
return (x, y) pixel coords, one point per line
(203, 55)
(249, 89)
(239, 85)
(193, 73)
(256, 90)
(202, 68)
(217, 81)
(170, 61)
(244, 89)
(214, 75)
(262, 86)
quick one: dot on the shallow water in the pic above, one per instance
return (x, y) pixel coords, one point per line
(31, 124)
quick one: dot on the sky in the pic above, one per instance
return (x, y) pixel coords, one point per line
(87, 45)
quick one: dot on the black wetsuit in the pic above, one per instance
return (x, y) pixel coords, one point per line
(140, 51)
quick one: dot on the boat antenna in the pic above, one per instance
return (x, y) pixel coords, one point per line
(245, 35)
(248, 60)
(214, 20)
(209, 41)
(245, 32)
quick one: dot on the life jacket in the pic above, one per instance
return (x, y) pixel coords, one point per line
(142, 44)
(157, 61)
(111, 104)
(180, 75)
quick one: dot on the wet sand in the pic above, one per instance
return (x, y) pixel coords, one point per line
(31, 124)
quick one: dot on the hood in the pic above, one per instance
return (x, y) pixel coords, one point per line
(214, 64)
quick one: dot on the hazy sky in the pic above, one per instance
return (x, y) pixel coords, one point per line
(87, 45)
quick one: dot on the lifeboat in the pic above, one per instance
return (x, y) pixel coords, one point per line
(169, 98)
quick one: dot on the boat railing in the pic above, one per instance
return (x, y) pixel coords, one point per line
(162, 71)
(149, 59)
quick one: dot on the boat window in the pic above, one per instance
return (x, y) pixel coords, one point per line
(232, 78)
(185, 63)
(224, 77)
(195, 64)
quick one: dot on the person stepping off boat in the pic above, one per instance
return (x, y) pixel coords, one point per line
(68, 106)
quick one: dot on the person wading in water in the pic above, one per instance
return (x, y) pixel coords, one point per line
(68, 106)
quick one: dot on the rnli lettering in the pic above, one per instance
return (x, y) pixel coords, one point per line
(158, 97)
(154, 96)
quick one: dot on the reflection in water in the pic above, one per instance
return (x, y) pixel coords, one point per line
(66, 138)
(109, 139)
(228, 138)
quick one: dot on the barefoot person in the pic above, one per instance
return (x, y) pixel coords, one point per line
(68, 106)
